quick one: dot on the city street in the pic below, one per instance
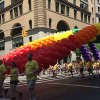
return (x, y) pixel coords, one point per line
(71, 88)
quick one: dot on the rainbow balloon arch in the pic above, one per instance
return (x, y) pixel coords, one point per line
(47, 50)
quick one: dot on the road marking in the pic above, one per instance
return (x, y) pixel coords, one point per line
(76, 85)
(23, 81)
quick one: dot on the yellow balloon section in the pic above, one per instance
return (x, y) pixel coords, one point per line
(48, 39)
(47, 50)
(98, 28)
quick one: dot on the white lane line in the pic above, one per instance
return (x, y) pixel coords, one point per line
(76, 85)
(44, 81)
(24, 83)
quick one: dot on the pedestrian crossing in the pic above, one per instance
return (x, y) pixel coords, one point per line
(44, 78)
(23, 80)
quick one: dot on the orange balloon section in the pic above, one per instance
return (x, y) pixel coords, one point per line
(46, 51)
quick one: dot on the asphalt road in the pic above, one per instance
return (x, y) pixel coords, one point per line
(73, 88)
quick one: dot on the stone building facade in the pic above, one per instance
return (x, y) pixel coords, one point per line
(39, 18)
(97, 10)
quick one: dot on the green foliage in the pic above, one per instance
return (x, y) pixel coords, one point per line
(97, 46)
(77, 52)
(86, 45)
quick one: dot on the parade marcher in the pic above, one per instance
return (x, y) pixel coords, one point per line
(89, 67)
(31, 71)
(97, 66)
(2, 78)
(77, 67)
(81, 67)
(54, 68)
(70, 68)
(94, 66)
(67, 70)
(13, 80)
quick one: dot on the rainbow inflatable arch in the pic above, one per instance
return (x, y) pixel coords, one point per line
(47, 50)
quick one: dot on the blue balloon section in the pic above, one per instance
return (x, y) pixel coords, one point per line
(85, 53)
(94, 51)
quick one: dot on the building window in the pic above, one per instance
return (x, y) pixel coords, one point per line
(81, 16)
(20, 9)
(67, 11)
(85, 18)
(16, 11)
(75, 14)
(3, 18)
(17, 42)
(11, 14)
(1, 5)
(2, 45)
(74, 2)
(0, 19)
(30, 24)
(30, 39)
(16, 33)
(29, 4)
(13, 1)
(49, 4)
(99, 19)
(62, 9)
(50, 21)
(93, 20)
(98, 1)
(98, 9)
(57, 6)
(83, 5)
(89, 19)
(92, 9)
(2, 42)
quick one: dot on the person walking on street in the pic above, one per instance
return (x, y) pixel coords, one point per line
(90, 67)
(81, 67)
(70, 68)
(54, 71)
(97, 66)
(31, 71)
(13, 79)
(2, 78)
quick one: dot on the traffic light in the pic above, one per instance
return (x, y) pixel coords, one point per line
(24, 33)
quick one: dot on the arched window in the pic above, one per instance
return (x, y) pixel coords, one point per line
(29, 4)
(76, 27)
(2, 42)
(17, 39)
(62, 26)
(30, 24)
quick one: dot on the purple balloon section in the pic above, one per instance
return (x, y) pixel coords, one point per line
(94, 51)
(85, 53)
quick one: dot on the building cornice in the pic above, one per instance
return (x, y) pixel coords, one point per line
(74, 6)
(10, 6)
